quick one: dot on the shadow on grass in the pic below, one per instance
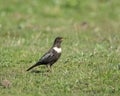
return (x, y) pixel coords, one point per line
(41, 72)
(38, 71)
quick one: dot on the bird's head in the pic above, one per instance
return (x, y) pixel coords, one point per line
(58, 41)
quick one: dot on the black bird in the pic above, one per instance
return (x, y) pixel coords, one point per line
(51, 56)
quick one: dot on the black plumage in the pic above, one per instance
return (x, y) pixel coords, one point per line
(51, 56)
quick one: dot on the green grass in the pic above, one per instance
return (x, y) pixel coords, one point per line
(90, 62)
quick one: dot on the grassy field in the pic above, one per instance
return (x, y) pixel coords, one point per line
(90, 62)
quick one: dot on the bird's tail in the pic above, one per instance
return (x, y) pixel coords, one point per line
(33, 66)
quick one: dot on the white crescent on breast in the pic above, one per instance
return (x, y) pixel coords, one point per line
(58, 50)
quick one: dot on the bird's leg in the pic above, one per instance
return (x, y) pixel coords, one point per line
(49, 68)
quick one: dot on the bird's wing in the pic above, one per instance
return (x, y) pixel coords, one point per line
(47, 57)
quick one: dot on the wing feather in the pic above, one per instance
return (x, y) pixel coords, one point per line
(46, 58)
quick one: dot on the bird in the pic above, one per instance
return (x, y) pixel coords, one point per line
(51, 56)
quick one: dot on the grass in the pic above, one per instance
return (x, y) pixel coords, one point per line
(89, 65)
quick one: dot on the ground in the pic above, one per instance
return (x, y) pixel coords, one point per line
(90, 61)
